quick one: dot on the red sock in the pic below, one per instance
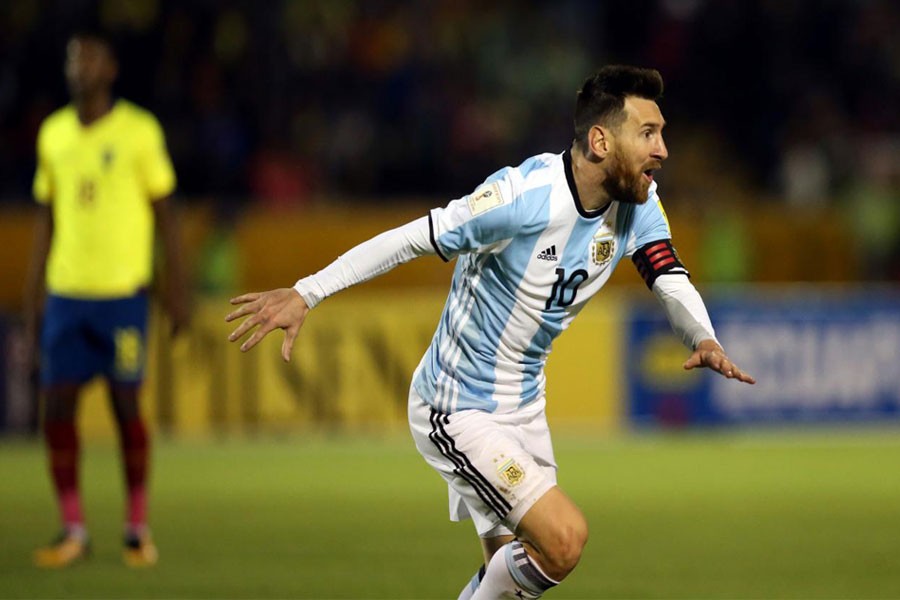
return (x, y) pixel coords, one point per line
(62, 444)
(135, 456)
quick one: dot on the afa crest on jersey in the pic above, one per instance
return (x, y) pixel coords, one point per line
(603, 247)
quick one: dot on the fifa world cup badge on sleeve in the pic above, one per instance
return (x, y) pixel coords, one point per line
(603, 247)
(485, 198)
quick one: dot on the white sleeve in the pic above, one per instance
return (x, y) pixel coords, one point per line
(684, 308)
(367, 260)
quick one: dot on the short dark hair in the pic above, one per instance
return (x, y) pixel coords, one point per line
(96, 34)
(601, 98)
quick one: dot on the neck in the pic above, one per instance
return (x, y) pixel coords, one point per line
(589, 177)
(93, 106)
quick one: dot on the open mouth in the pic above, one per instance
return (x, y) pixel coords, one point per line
(648, 173)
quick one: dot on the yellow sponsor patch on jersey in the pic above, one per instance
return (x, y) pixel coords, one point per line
(663, 211)
(511, 472)
(485, 198)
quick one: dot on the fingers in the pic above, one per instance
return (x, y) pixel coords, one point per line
(257, 336)
(251, 303)
(243, 328)
(248, 297)
(287, 346)
(720, 363)
(717, 361)
(265, 326)
(732, 371)
(745, 378)
(276, 309)
(741, 376)
(246, 309)
(693, 362)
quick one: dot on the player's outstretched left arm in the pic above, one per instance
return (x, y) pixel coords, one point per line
(283, 308)
(659, 265)
(709, 354)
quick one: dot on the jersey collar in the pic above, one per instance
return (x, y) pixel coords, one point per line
(570, 179)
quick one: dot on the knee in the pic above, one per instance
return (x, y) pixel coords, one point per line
(563, 551)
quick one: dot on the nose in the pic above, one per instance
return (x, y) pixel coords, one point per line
(660, 152)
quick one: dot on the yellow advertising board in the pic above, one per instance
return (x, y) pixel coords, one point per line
(351, 368)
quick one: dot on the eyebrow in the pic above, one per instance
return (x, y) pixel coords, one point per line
(654, 124)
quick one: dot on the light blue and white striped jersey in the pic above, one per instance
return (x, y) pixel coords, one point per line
(529, 258)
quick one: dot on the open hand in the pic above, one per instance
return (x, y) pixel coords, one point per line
(283, 308)
(711, 355)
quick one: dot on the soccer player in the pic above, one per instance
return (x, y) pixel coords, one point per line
(533, 244)
(102, 180)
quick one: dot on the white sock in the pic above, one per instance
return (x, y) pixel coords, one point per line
(469, 590)
(512, 574)
(77, 531)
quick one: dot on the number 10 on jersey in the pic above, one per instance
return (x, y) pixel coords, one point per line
(565, 288)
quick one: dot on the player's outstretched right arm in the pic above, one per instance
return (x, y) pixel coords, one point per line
(286, 308)
(283, 308)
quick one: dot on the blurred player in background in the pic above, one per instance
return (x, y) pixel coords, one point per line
(534, 244)
(102, 180)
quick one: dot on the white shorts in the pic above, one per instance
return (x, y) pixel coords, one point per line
(496, 465)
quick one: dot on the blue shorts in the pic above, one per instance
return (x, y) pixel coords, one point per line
(84, 338)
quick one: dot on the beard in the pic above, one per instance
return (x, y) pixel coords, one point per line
(623, 184)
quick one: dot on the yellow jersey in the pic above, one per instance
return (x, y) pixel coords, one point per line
(100, 181)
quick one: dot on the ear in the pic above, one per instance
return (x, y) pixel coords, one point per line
(113, 72)
(599, 141)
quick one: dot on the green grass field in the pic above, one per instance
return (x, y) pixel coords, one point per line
(767, 515)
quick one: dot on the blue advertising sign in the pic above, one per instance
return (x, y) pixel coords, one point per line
(822, 357)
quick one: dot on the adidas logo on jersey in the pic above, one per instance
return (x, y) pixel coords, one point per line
(548, 254)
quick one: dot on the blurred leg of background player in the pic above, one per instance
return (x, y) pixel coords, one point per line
(135, 447)
(82, 339)
(64, 452)
(61, 437)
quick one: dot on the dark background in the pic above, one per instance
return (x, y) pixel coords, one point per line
(284, 100)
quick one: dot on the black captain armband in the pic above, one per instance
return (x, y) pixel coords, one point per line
(657, 258)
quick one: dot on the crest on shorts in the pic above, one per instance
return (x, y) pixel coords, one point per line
(511, 472)
(603, 247)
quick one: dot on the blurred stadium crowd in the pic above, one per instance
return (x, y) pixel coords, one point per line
(284, 102)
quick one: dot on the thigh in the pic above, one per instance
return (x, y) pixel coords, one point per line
(119, 328)
(533, 432)
(67, 355)
(552, 517)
